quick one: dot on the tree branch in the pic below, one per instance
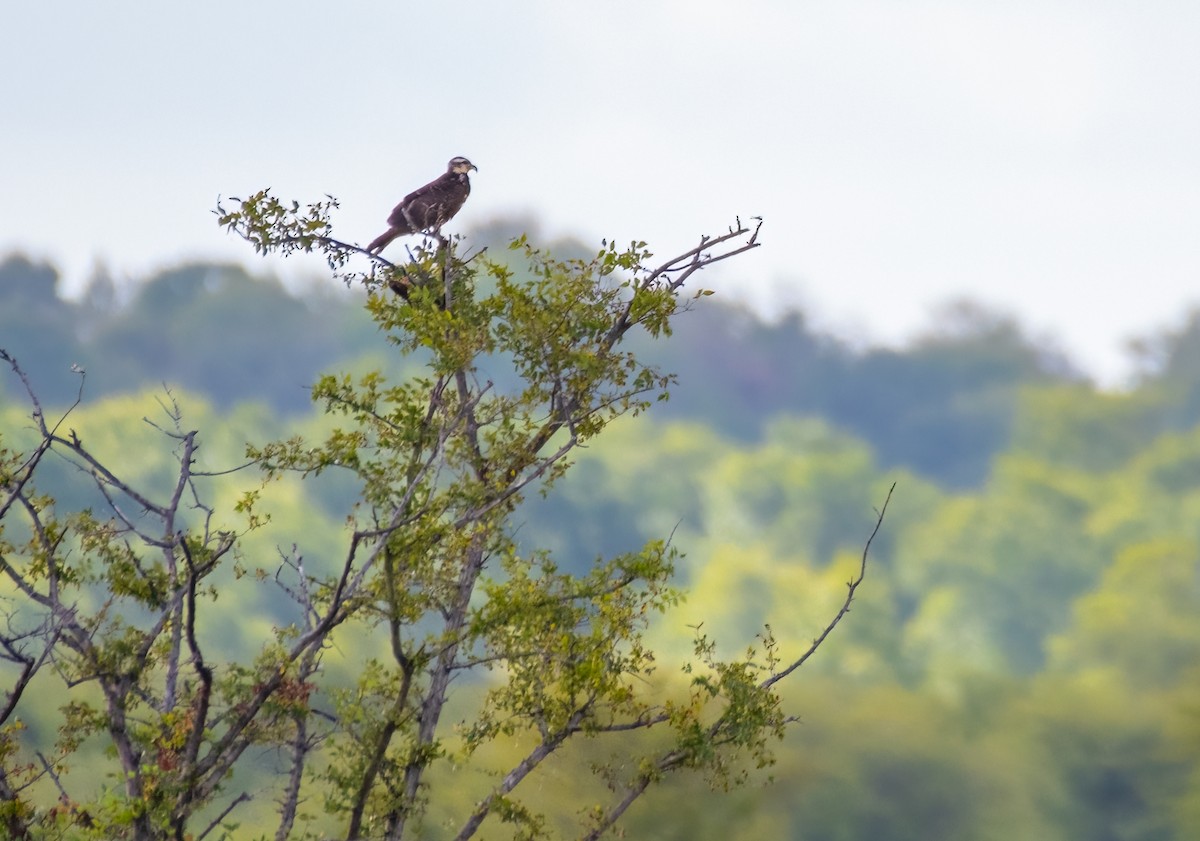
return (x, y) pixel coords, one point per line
(549, 744)
(851, 588)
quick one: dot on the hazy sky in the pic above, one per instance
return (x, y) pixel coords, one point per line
(1040, 156)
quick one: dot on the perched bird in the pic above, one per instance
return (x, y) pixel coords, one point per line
(429, 207)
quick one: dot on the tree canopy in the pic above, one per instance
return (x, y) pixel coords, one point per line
(423, 591)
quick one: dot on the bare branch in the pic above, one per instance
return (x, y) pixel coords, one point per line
(606, 821)
(290, 802)
(244, 797)
(689, 262)
(851, 588)
(549, 744)
(48, 633)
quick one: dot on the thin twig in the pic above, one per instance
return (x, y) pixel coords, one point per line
(851, 588)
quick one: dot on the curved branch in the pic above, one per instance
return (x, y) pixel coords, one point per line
(851, 588)
(677, 757)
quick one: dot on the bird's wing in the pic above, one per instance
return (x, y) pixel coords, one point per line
(434, 188)
(433, 204)
(416, 201)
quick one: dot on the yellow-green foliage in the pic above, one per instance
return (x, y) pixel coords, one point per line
(1011, 646)
(1022, 661)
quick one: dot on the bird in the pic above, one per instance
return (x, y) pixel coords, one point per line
(428, 208)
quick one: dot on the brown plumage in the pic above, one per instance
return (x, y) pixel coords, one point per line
(428, 208)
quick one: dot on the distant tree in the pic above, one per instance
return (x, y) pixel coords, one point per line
(1169, 361)
(945, 405)
(98, 302)
(1078, 427)
(109, 604)
(35, 319)
(942, 406)
(739, 372)
(271, 343)
(28, 285)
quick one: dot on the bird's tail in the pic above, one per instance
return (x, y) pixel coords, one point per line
(381, 242)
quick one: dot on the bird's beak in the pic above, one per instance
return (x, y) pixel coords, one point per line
(474, 167)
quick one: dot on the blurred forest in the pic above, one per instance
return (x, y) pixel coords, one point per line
(1024, 660)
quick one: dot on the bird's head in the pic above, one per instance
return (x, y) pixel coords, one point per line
(461, 166)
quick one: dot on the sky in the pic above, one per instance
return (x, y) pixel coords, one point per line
(1041, 157)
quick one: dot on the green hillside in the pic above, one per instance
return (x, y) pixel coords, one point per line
(1022, 662)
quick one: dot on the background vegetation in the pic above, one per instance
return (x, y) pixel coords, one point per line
(1024, 660)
